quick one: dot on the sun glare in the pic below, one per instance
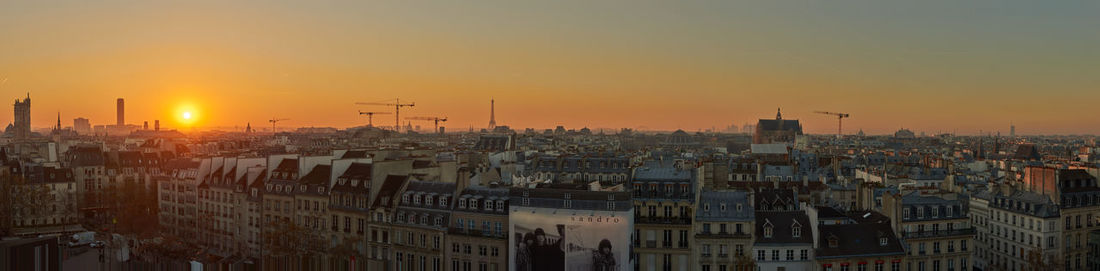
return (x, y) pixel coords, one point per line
(186, 115)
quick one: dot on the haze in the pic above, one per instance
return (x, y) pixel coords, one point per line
(977, 66)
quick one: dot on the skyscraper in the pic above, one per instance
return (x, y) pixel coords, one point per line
(121, 112)
(1012, 130)
(23, 117)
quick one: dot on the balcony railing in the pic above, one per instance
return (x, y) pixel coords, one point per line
(938, 234)
(662, 220)
(724, 234)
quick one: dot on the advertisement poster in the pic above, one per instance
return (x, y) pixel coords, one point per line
(545, 239)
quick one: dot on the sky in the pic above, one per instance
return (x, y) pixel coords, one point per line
(929, 66)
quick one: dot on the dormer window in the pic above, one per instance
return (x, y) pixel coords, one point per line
(796, 231)
(303, 188)
(706, 207)
(488, 205)
(882, 241)
(950, 210)
(405, 198)
(428, 200)
(935, 211)
(920, 212)
(833, 241)
(768, 231)
(500, 205)
(320, 190)
(722, 207)
(473, 204)
(905, 213)
(462, 203)
(442, 201)
(738, 207)
(416, 200)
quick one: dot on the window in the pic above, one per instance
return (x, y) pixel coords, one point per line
(790, 255)
(796, 231)
(775, 254)
(882, 241)
(803, 255)
(767, 231)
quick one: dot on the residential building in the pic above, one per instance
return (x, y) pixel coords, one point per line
(723, 229)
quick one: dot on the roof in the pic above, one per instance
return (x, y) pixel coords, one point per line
(857, 240)
(769, 148)
(318, 176)
(715, 199)
(1027, 152)
(779, 125)
(355, 154)
(659, 171)
(388, 192)
(782, 224)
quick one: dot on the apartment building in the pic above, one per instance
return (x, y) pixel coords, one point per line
(723, 230)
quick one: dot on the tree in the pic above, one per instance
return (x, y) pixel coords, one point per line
(744, 263)
(1036, 261)
(285, 240)
(26, 202)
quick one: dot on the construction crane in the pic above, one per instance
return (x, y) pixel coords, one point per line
(436, 120)
(370, 117)
(397, 105)
(273, 121)
(839, 120)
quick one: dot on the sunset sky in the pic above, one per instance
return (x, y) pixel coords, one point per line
(925, 65)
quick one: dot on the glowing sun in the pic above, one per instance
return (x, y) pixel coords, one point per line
(186, 115)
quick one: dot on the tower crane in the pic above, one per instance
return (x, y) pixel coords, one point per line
(273, 121)
(435, 119)
(370, 116)
(397, 105)
(839, 120)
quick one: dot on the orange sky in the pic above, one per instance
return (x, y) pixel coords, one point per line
(657, 65)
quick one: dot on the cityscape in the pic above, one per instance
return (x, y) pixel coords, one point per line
(537, 136)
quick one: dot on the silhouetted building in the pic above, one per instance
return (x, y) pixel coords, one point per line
(22, 128)
(82, 126)
(121, 112)
(778, 130)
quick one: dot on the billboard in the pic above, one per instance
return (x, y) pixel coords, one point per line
(545, 239)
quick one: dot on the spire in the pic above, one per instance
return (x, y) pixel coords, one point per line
(778, 113)
(59, 120)
(492, 114)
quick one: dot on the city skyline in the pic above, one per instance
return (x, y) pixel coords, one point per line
(706, 65)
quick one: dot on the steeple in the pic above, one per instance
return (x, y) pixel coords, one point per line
(778, 113)
(492, 114)
(58, 121)
(248, 128)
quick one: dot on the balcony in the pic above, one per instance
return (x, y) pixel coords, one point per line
(738, 235)
(663, 220)
(938, 234)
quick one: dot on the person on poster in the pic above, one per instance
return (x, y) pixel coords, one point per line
(602, 258)
(523, 252)
(548, 256)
